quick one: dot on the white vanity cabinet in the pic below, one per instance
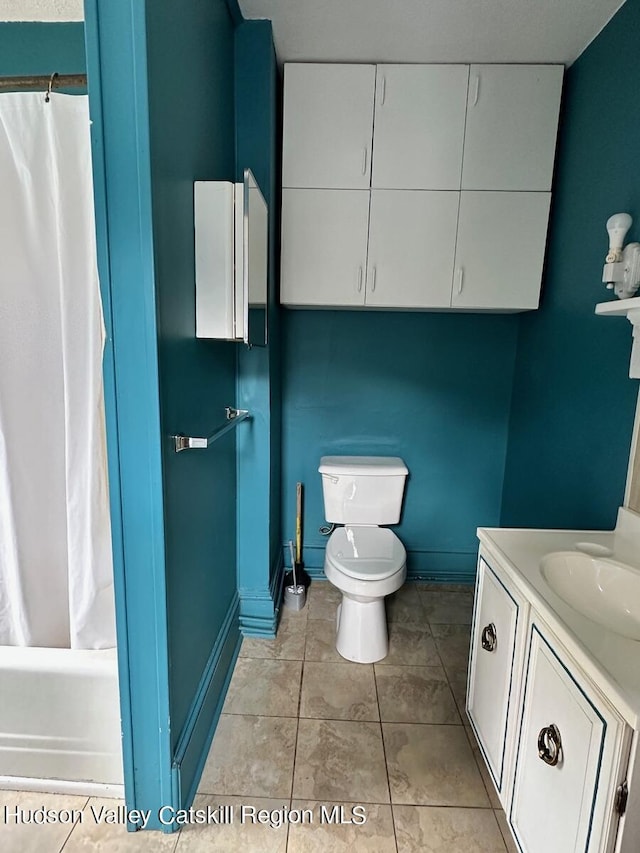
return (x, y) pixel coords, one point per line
(328, 125)
(484, 134)
(572, 752)
(556, 742)
(497, 643)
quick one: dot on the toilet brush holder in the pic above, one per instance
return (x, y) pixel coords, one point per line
(295, 596)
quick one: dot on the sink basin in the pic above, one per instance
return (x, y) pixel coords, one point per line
(604, 590)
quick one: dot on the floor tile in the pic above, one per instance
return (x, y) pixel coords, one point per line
(288, 644)
(270, 688)
(338, 691)
(29, 837)
(506, 832)
(405, 606)
(490, 788)
(324, 834)
(432, 765)
(410, 645)
(97, 833)
(287, 614)
(452, 643)
(458, 683)
(321, 641)
(445, 830)
(340, 760)
(415, 694)
(324, 599)
(251, 756)
(442, 607)
(246, 834)
(446, 587)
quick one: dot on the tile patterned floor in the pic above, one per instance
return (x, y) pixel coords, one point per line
(308, 734)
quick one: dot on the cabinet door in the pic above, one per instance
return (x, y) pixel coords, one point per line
(411, 248)
(324, 247)
(564, 805)
(419, 126)
(512, 120)
(492, 688)
(328, 125)
(500, 250)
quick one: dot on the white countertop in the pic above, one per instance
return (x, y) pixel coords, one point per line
(611, 661)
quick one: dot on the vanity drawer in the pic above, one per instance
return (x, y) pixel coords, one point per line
(492, 687)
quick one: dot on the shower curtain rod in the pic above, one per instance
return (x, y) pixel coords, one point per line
(44, 82)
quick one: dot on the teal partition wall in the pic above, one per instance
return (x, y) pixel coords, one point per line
(161, 92)
(38, 48)
(434, 389)
(573, 403)
(259, 554)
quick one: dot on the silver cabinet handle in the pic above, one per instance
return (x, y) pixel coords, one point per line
(460, 279)
(373, 279)
(476, 93)
(489, 637)
(550, 745)
(383, 93)
(365, 159)
(359, 279)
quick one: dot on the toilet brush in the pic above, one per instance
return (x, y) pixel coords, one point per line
(294, 595)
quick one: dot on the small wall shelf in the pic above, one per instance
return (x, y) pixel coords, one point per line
(618, 307)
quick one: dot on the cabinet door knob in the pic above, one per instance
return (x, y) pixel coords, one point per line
(550, 745)
(489, 637)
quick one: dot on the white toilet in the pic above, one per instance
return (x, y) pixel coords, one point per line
(364, 561)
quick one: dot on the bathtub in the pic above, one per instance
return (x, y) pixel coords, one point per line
(60, 721)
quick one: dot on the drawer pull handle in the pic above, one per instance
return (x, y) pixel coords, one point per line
(550, 745)
(489, 637)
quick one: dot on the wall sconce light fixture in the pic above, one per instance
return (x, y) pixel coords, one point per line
(621, 271)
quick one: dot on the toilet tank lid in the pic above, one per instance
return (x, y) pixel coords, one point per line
(362, 466)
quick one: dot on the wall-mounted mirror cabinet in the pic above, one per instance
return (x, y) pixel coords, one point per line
(231, 261)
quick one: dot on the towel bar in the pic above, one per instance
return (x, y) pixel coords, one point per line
(190, 442)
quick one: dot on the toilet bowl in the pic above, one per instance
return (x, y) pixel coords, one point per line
(364, 561)
(365, 564)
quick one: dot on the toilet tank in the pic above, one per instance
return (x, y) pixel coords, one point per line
(362, 489)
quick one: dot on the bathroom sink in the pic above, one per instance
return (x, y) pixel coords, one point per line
(604, 590)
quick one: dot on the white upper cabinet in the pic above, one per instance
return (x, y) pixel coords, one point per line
(324, 247)
(456, 162)
(500, 250)
(512, 120)
(412, 241)
(328, 125)
(419, 126)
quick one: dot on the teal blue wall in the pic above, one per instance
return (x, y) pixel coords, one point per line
(27, 48)
(434, 389)
(259, 552)
(573, 402)
(161, 86)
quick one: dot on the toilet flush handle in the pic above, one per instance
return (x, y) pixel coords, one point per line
(333, 479)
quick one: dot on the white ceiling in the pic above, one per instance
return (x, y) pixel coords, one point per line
(432, 30)
(41, 10)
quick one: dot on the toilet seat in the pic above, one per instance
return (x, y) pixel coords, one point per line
(365, 553)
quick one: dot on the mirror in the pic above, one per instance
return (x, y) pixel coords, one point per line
(256, 258)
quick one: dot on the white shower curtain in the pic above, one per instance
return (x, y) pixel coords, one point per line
(56, 579)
